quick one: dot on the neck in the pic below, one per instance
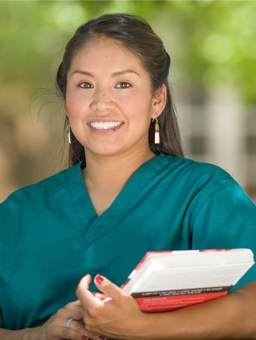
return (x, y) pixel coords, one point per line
(105, 177)
(109, 172)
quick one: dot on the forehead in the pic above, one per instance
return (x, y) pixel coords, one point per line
(106, 51)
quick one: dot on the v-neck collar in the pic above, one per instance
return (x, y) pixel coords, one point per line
(81, 198)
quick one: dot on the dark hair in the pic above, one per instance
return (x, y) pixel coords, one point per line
(136, 35)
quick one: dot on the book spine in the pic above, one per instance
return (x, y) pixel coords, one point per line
(178, 292)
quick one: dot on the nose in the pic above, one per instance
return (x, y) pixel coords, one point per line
(101, 101)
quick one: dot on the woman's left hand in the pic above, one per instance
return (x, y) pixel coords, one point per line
(112, 313)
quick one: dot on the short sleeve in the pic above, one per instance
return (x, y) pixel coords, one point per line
(225, 217)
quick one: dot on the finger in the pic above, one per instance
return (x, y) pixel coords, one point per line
(109, 289)
(85, 281)
(73, 334)
(99, 296)
(71, 310)
(75, 325)
(59, 328)
(73, 304)
(83, 293)
(75, 330)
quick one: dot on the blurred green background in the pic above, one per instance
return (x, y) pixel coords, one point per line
(212, 45)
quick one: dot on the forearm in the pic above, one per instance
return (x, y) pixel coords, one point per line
(230, 317)
(24, 334)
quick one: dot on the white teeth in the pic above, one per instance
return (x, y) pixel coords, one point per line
(104, 125)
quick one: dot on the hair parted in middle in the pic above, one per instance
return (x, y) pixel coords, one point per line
(137, 36)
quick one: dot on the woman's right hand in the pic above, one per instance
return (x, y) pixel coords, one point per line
(56, 327)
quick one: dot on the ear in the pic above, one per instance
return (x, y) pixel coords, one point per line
(159, 101)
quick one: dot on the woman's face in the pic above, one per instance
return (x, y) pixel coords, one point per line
(109, 100)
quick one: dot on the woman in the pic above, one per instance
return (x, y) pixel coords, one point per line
(125, 193)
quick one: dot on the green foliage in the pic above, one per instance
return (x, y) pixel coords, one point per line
(210, 42)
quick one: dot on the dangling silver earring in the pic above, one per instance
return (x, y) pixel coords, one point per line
(157, 132)
(69, 135)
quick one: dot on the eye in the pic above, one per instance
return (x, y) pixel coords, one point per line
(85, 85)
(123, 85)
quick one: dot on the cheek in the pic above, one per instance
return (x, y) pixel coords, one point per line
(142, 111)
(72, 105)
(137, 102)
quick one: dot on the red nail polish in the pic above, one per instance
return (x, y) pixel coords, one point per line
(85, 337)
(99, 279)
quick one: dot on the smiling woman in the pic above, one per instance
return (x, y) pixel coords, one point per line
(137, 44)
(125, 193)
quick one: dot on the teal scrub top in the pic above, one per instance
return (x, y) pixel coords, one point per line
(51, 236)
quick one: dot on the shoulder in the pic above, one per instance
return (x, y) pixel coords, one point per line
(190, 171)
(201, 182)
(46, 189)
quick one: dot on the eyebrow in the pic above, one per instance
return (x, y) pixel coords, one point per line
(82, 72)
(117, 73)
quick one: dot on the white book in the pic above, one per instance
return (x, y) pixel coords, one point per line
(168, 280)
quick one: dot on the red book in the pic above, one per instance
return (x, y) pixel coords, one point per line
(167, 280)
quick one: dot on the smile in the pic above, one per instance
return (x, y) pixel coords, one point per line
(105, 125)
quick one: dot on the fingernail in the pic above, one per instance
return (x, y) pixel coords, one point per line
(85, 337)
(99, 279)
